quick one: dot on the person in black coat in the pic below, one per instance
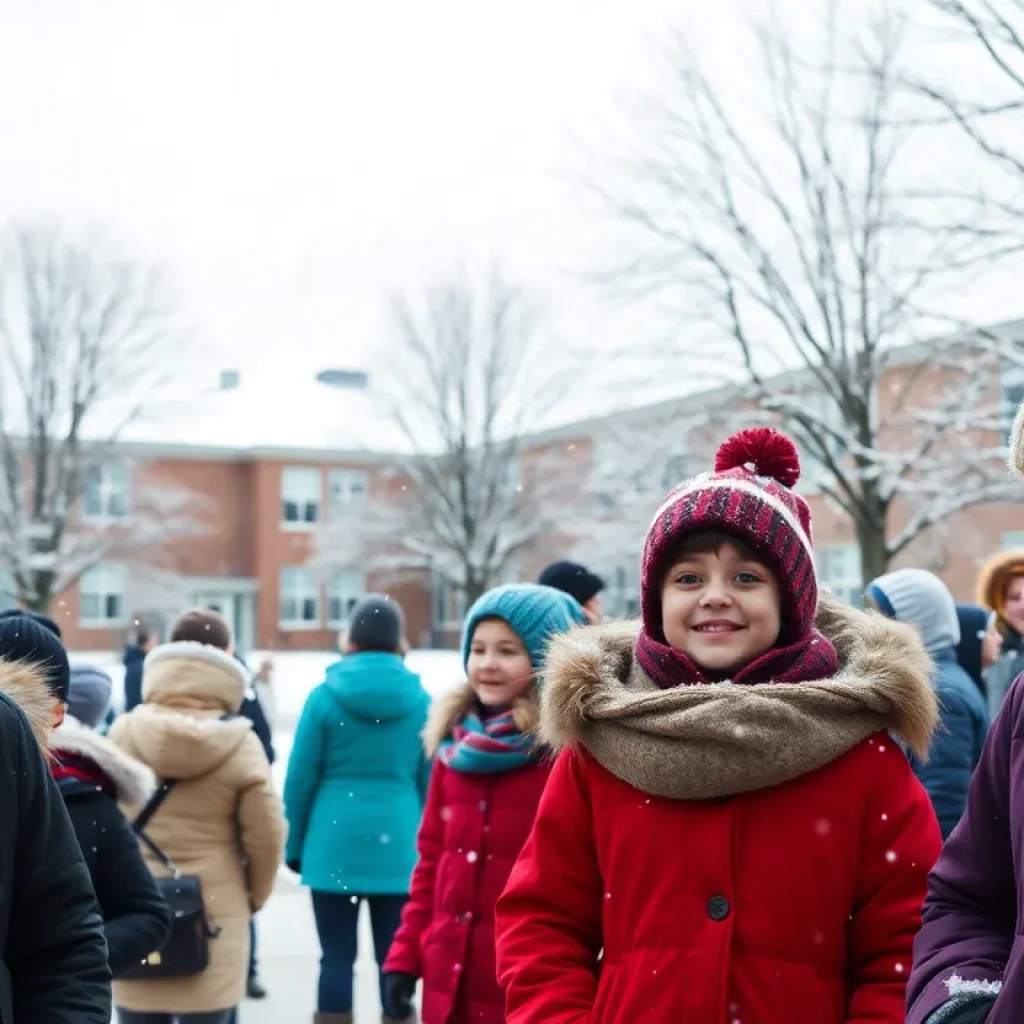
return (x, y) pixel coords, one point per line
(94, 776)
(51, 932)
(134, 656)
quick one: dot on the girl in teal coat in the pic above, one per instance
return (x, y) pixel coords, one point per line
(354, 794)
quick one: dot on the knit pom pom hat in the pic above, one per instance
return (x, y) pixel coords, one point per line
(749, 495)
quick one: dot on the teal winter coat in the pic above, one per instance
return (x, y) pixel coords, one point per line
(357, 777)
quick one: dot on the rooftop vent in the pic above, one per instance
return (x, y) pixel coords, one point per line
(352, 380)
(230, 380)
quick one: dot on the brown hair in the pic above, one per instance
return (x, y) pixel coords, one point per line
(202, 626)
(705, 542)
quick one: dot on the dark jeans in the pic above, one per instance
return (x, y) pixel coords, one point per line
(337, 919)
(214, 1017)
(253, 966)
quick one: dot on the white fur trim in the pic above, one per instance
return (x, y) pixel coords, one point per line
(198, 652)
(707, 482)
(957, 986)
(133, 780)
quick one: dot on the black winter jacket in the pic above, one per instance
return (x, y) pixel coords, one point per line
(54, 968)
(93, 776)
(134, 656)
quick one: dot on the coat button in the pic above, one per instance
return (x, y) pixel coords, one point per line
(718, 908)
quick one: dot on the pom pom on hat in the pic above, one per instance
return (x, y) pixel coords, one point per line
(762, 451)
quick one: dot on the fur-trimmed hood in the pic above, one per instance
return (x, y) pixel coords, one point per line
(25, 684)
(447, 710)
(185, 674)
(180, 730)
(992, 580)
(705, 741)
(133, 781)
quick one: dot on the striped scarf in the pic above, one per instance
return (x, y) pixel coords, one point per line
(486, 745)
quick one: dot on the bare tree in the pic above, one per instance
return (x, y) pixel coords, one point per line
(801, 231)
(980, 91)
(87, 337)
(475, 374)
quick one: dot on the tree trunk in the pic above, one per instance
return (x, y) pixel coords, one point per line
(874, 552)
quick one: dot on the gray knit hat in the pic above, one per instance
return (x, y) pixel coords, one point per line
(89, 694)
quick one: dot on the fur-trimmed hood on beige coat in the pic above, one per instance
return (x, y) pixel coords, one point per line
(223, 821)
(446, 711)
(708, 741)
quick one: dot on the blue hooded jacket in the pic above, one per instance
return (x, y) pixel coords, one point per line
(357, 777)
(922, 600)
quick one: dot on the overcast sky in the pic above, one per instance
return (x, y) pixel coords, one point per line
(292, 161)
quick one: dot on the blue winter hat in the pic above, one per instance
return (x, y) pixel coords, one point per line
(535, 613)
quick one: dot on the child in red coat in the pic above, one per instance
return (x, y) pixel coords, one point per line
(730, 834)
(486, 783)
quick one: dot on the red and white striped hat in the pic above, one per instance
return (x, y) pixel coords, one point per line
(749, 494)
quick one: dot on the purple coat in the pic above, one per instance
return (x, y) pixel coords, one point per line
(967, 945)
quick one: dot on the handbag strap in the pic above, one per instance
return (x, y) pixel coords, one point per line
(146, 814)
(152, 806)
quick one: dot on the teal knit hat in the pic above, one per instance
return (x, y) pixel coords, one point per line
(535, 613)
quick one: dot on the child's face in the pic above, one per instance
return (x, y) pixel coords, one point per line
(721, 608)
(499, 667)
(1014, 610)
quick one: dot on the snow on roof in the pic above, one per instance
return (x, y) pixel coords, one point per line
(280, 411)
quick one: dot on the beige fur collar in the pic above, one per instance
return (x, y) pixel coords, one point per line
(446, 711)
(133, 781)
(25, 684)
(702, 742)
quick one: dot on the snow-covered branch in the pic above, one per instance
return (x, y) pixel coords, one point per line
(821, 253)
(87, 339)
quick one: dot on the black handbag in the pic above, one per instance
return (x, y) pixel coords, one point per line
(186, 950)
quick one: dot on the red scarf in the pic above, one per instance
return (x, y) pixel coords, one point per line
(809, 658)
(84, 769)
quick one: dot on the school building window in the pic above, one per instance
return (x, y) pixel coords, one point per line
(300, 497)
(300, 599)
(101, 596)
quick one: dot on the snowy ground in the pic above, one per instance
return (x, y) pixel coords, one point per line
(295, 674)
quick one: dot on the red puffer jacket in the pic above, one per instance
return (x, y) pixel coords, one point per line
(795, 903)
(474, 826)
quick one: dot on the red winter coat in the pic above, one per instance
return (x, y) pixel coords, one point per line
(791, 904)
(474, 826)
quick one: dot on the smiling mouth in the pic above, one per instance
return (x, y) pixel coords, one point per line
(717, 627)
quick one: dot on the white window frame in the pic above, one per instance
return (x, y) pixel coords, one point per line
(301, 486)
(114, 488)
(345, 589)
(846, 584)
(447, 598)
(299, 585)
(104, 582)
(347, 488)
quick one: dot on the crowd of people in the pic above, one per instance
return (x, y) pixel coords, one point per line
(756, 804)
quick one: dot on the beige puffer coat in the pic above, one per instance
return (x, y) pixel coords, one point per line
(223, 821)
